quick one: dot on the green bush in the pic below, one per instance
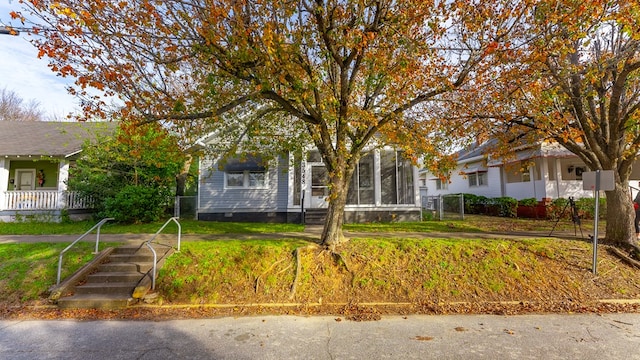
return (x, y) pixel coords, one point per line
(428, 215)
(135, 203)
(505, 206)
(129, 176)
(475, 204)
(528, 202)
(556, 209)
(586, 208)
(559, 208)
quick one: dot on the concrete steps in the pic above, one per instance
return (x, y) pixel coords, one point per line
(95, 301)
(115, 281)
(315, 216)
(125, 288)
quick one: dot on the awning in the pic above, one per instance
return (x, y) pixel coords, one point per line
(523, 155)
(474, 169)
(250, 163)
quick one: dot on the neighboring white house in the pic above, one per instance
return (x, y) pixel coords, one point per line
(34, 166)
(544, 170)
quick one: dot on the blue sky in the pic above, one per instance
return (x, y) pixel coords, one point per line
(23, 73)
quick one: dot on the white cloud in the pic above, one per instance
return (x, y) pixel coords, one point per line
(23, 73)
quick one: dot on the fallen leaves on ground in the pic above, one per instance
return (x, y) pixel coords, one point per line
(350, 312)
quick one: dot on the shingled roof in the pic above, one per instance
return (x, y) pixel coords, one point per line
(40, 138)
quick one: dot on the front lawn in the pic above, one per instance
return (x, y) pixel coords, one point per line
(471, 223)
(188, 227)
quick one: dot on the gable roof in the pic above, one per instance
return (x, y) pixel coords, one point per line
(42, 138)
(475, 151)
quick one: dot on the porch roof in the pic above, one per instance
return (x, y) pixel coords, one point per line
(474, 169)
(41, 138)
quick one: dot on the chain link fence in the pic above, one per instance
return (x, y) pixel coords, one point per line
(443, 207)
(185, 207)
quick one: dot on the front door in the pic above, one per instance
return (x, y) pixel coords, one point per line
(25, 179)
(319, 189)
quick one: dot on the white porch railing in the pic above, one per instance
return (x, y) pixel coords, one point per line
(73, 200)
(42, 200)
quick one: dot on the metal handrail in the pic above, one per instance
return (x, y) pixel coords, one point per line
(155, 256)
(98, 225)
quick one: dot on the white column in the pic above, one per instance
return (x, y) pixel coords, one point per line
(416, 186)
(4, 180)
(544, 175)
(377, 189)
(63, 176)
(558, 170)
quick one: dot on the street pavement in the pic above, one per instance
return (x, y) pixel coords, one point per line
(549, 336)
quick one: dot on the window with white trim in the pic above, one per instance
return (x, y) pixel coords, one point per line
(478, 178)
(246, 179)
(442, 185)
(246, 173)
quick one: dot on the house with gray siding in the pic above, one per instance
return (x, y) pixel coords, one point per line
(291, 188)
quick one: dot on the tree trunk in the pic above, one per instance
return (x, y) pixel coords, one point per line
(181, 181)
(181, 178)
(332, 232)
(620, 216)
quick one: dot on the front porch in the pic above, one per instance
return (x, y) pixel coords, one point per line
(43, 200)
(35, 188)
(42, 205)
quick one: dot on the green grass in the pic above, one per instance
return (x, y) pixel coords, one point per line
(472, 223)
(28, 270)
(425, 226)
(387, 269)
(188, 227)
(207, 272)
(380, 269)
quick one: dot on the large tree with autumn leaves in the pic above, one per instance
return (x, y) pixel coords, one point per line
(574, 78)
(343, 75)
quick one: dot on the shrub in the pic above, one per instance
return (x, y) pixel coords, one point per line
(128, 176)
(528, 202)
(559, 208)
(586, 208)
(475, 204)
(505, 206)
(135, 203)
